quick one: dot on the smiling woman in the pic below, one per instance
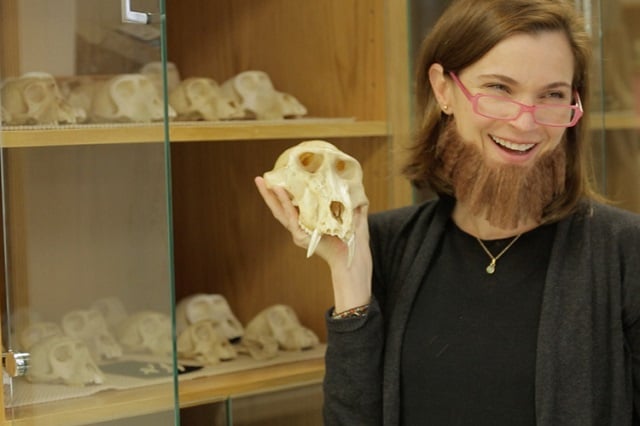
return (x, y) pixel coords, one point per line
(513, 298)
(500, 141)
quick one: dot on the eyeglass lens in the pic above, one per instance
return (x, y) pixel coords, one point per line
(505, 109)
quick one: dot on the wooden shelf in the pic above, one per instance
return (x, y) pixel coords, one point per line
(110, 405)
(32, 136)
(251, 382)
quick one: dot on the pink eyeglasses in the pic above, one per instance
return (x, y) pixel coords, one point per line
(503, 108)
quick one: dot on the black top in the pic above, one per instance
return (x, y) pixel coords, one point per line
(588, 347)
(468, 356)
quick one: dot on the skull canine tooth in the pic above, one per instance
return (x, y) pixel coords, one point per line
(313, 242)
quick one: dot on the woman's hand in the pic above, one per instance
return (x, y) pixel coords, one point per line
(351, 282)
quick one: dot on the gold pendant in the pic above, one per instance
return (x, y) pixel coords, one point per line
(492, 267)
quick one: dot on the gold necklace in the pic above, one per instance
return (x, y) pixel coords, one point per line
(491, 268)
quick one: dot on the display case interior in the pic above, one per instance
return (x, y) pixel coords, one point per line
(157, 210)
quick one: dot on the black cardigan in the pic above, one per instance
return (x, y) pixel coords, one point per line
(588, 355)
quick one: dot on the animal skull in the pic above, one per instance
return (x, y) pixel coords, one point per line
(291, 106)
(254, 92)
(147, 331)
(128, 98)
(326, 186)
(91, 327)
(202, 342)
(35, 98)
(153, 70)
(200, 98)
(214, 307)
(63, 359)
(79, 92)
(281, 323)
(259, 347)
(38, 331)
(112, 310)
(5, 117)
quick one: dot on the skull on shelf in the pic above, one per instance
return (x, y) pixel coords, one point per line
(326, 186)
(79, 92)
(5, 117)
(291, 106)
(203, 343)
(153, 70)
(90, 326)
(200, 98)
(282, 323)
(112, 310)
(214, 307)
(259, 347)
(253, 91)
(128, 98)
(146, 331)
(38, 331)
(35, 98)
(63, 359)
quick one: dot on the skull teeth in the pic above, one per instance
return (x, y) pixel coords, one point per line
(316, 236)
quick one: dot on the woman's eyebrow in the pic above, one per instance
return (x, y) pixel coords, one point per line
(511, 81)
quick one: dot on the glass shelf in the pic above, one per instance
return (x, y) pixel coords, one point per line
(32, 136)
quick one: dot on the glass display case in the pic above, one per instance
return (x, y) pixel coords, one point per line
(87, 273)
(124, 199)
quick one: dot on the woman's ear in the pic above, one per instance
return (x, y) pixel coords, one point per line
(441, 87)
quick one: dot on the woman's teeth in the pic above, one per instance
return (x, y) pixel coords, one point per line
(520, 147)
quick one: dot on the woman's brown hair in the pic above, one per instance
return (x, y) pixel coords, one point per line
(466, 31)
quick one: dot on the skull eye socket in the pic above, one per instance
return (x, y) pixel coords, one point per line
(35, 93)
(125, 88)
(62, 353)
(310, 162)
(198, 88)
(203, 332)
(344, 169)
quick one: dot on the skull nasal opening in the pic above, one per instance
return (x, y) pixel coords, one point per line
(337, 208)
(310, 161)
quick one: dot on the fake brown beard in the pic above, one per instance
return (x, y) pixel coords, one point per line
(504, 194)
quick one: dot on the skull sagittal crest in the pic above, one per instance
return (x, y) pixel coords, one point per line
(326, 186)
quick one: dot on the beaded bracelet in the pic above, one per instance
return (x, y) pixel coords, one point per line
(358, 311)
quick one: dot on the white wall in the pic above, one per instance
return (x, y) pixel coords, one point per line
(47, 44)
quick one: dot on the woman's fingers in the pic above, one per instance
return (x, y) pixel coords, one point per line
(273, 201)
(278, 201)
